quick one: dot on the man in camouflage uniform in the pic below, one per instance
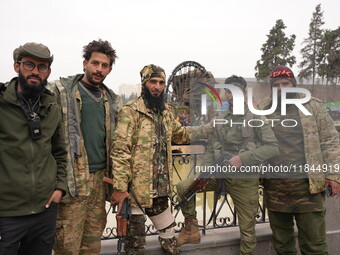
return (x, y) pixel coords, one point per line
(89, 112)
(142, 160)
(250, 146)
(300, 195)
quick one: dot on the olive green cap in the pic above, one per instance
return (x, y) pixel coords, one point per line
(32, 49)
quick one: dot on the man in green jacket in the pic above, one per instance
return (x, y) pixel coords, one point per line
(89, 114)
(250, 146)
(32, 156)
(311, 149)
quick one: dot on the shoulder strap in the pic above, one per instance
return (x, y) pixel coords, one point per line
(132, 192)
(221, 137)
(248, 133)
(134, 143)
(2, 87)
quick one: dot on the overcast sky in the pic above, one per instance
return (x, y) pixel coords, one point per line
(224, 36)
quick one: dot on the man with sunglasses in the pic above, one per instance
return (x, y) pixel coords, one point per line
(32, 156)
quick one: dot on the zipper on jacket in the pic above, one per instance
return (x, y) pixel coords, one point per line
(33, 179)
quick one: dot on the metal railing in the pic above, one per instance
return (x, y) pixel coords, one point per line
(225, 213)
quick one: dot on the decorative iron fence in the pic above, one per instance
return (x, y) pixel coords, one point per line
(225, 214)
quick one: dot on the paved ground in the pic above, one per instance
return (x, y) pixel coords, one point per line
(217, 242)
(222, 242)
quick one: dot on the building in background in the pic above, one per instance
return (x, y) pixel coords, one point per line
(129, 92)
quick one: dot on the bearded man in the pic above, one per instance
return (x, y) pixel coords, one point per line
(299, 196)
(142, 159)
(32, 156)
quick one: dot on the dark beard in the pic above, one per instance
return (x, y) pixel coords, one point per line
(31, 91)
(93, 82)
(288, 96)
(154, 103)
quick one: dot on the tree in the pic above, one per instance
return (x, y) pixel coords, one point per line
(330, 53)
(276, 51)
(334, 56)
(311, 58)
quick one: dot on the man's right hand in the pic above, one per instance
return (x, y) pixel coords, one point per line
(118, 198)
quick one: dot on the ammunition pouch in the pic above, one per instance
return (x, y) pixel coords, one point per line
(33, 121)
(32, 117)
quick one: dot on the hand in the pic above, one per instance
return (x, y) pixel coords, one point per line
(55, 197)
(205, 184)
(168, 107)
(118, 198)
(236, 161)
(334, 185)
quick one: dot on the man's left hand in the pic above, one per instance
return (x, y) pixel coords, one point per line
(55, 197)
(334, 185)
(168, 107)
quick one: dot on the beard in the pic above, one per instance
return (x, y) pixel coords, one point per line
(31, 91)
(230, 101)
(288, 96)
(153, 102)
(91, 80)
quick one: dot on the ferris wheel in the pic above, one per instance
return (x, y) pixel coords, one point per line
(184, 86)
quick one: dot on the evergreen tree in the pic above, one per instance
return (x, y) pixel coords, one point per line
(132, 96)
(311, 58)
(126, 99)
(330, 53)
(276, 51)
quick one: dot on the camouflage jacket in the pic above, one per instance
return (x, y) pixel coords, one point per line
(68, 96)
(132, 152)
(321, 142)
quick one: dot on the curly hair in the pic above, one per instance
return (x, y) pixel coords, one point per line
(102, 47)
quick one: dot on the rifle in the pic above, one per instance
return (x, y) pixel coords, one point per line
(202, 181)
(108, 180)
(122, 223)
(122, 219)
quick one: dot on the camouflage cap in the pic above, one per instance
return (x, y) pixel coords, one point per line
(238, 81)
(151, 71)
(32, 49)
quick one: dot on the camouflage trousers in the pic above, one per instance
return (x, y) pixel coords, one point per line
(311, 232)
(135, 240)
(244, 193)
(81, 222)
